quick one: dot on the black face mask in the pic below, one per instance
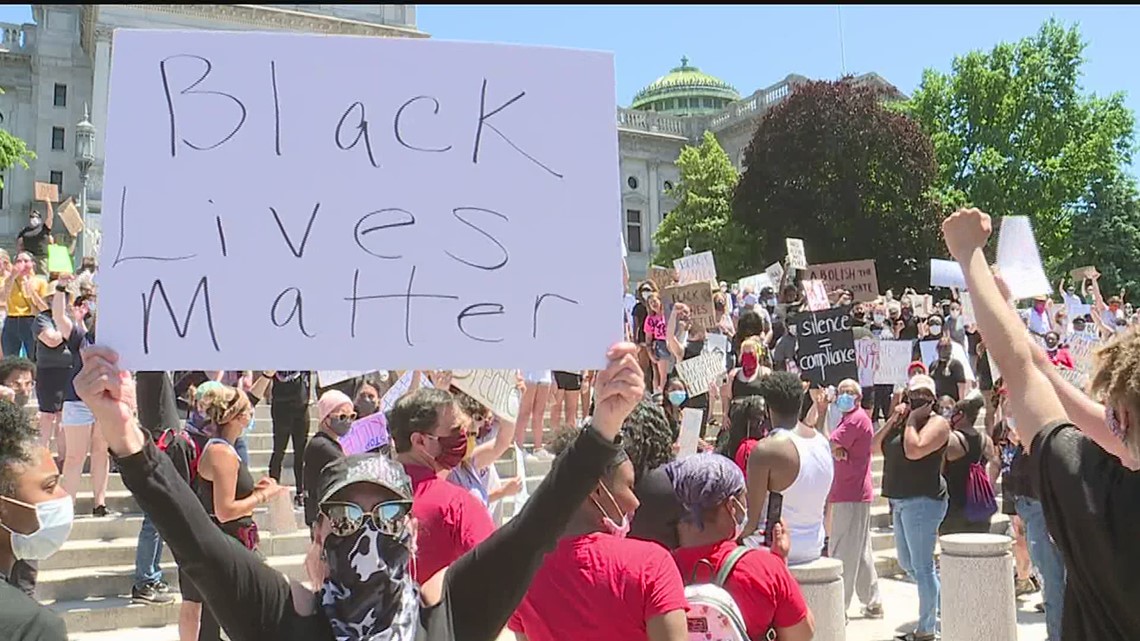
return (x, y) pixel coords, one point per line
(370, 594)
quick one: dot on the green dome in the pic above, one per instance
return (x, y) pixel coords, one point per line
(685, 91)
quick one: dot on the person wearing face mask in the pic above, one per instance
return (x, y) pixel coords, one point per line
(850, 500)
(35, 520)
(488, 439)
(36, 237)
(711, 496)
(599, 584)
(335, 414)
(967, 446)
(364, 527)
(227, 492)
(429, 432)
(948, 373)
(1039, 321)
(912, 443)
(26, 295)
(673, 401)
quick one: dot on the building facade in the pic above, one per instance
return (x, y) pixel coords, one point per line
(54, 68)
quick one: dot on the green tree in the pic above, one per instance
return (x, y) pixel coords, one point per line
(1015, 135)
(831, 164)
(1106, 235)
(703, 215)
(13, 151)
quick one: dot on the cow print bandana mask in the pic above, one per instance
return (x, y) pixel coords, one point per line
(370, 594)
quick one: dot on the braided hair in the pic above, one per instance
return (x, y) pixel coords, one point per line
(648, 438)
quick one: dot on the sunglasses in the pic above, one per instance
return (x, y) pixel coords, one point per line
(346, 519)
(351, 416)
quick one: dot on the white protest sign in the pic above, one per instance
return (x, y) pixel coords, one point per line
(696, 268)
(332, 377)
(894, 358)
(716, 344)
(946, 273)
(394, 217)
(755, 283)
(1081, 347)
(699, 372)
(816, 295)
(775, 273)
(797, 259)
(968, 315)
(399, 388)
(495, 388)
(690, 435)
(1019, 260)
(867, 357)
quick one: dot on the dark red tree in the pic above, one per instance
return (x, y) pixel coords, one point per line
(836, 165)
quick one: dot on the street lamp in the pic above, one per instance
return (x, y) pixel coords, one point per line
(687, 251)
(84, 159)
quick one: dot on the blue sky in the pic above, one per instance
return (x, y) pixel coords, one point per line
(755, 46)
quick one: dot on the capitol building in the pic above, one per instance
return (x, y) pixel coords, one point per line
(54, 68)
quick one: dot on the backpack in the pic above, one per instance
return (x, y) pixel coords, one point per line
(713, 614)
(177, 444)
(981, 503)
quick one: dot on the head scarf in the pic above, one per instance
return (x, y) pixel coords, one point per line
(702, 482)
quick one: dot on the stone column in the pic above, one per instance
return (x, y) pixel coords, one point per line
(822, 584)
(100, 89)
(977, 588)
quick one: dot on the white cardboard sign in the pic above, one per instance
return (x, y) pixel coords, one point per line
(797, 258)
(495, 388)
(946, 273)
(1019, 260)
(690, 436)
(775, 273)
(894, 358)
(385, 190)
(696, 268)
(701, 371)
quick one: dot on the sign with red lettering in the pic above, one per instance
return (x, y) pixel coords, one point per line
(856, 276)
(416, 243)
(825, 346)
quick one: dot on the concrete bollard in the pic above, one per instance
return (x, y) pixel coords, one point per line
(977, 588)
(822, 584)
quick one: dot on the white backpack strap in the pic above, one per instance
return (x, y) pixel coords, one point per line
(729, 564)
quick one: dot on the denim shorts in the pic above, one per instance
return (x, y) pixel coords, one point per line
(76, 413)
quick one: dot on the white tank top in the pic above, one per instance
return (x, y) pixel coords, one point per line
(806, 498)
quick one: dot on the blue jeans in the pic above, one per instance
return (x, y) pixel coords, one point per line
(17, 333)
(148, 555)
(916, 533)
(242, 450)
(1048, 561)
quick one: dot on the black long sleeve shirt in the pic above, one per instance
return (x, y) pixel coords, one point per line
(252, 601)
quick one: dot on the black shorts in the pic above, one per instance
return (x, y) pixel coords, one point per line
(568, 381)
(51, 385)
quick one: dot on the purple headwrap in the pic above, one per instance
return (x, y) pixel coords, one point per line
(702, 482)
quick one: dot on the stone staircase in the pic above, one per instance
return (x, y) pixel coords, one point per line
(89, 581)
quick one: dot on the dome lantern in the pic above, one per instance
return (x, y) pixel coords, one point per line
(685, 91)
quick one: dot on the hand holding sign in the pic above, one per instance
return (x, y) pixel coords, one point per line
(619, 388)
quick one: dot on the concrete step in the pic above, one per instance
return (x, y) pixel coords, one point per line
(119, 619)
(74, 584)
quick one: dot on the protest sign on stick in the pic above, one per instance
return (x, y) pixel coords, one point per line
(825, 346)
(797, 258)
(696, 268)
(418, 246)
(856, 276)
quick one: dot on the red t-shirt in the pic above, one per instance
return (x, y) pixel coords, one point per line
(451, 521)
(852, 480)
(599, 587)
(1061, 358)
(761, 585)
(743, 452)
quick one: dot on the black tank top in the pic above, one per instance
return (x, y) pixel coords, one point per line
(904, 478)
(243, 489)
(742, 389)
(957, 472)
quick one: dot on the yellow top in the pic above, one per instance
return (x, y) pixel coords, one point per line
(19, 305)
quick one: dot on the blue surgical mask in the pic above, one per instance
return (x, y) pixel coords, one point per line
(677, 397)
(845, 402)
(249, 426)
(55, 518)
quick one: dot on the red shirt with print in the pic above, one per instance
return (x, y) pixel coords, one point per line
(450, 521)
(599, 587)
(760, 584)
